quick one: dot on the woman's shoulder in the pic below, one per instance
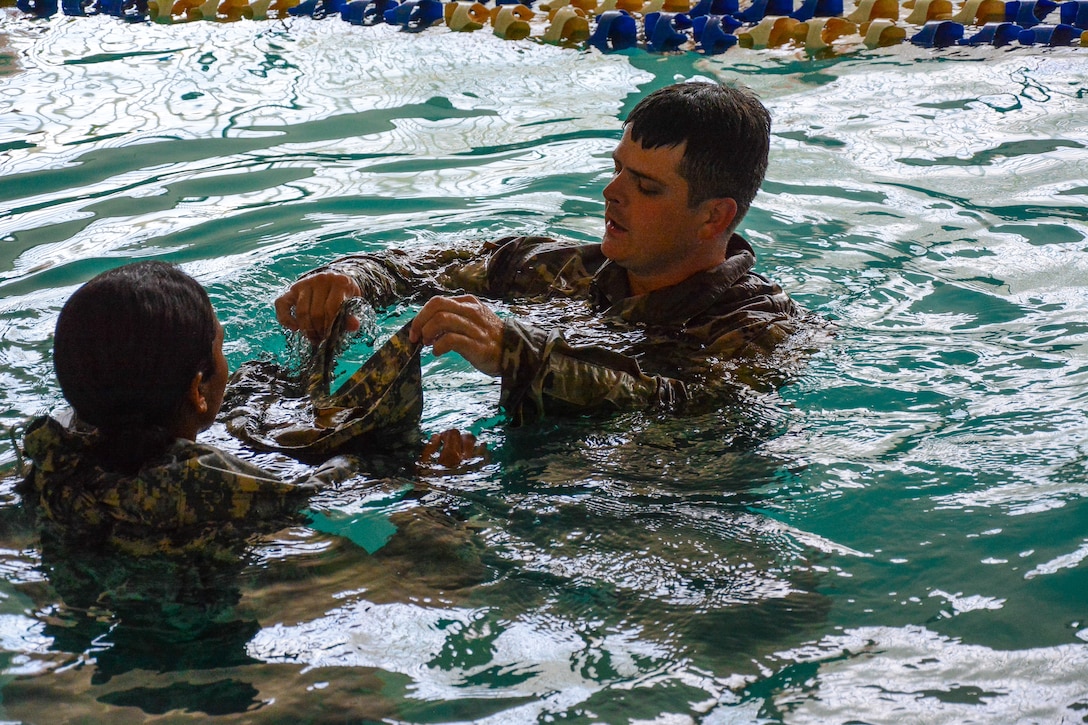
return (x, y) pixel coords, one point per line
(201, 469)
(188, 482)
(194, 454)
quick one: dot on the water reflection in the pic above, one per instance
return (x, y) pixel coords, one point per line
(185, 632)
(110, 615)
(874, 674)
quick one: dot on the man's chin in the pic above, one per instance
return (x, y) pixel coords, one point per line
(612, 248)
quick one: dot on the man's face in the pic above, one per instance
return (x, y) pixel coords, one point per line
(649, 229)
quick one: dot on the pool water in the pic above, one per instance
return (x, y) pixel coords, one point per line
(898, 533)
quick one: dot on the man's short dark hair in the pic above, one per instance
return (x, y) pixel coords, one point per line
(727, 131)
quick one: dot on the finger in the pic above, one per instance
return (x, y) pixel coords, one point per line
(284, 312)
(452, 453)
(453, 342)
(468, 446)
(451, 437)
(415, 332)
(463, 325)
(430, 448)
(426, 316)
(443, 319)
(303, 303)
(316, 311)
(312, 304)
(481, 347)
(331, 303)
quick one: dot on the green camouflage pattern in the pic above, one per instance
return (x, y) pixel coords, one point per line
(189, 497)
(576, 341)
(271, 409)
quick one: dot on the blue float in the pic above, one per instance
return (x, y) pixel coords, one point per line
(415, 15)
(317, 9)
(760, 9)
(1053, 35)
(367, 12)
(78, 8)
(134, 11)
(714, 7)
(1028, 13)
(38, 8)
(714, 33)
(616, 30)
(938, 34)
(1075, 13)
(665, 31)
(996, 34)
(818, 9)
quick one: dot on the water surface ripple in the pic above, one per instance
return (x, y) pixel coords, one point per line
(898, 533)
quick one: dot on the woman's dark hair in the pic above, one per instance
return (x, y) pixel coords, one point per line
(127, 346)
(727, 131)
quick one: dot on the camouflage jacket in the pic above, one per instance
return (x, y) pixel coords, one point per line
(192, 495)
(591, 346)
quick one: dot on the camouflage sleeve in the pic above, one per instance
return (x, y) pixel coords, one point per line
(393, 275)
(491, 269)
(256, 482)
(543, 375)
(388, 277)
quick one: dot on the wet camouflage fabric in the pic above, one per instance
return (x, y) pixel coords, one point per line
(597, 348)
(271, 409)
(190, 496)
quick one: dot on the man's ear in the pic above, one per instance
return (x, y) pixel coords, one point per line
(196, 395)
(719, 215)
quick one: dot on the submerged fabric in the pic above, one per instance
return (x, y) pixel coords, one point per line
(271, 409)
(186, 498)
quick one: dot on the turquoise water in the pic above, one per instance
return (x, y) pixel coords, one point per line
(897, 534)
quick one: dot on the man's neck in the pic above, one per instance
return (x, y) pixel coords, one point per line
(644, 284)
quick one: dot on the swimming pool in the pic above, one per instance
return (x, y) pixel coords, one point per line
(898, 533)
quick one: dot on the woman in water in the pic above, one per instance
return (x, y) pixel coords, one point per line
(138, 353)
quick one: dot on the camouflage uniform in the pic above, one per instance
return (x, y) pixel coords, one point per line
(274, 409)
(190, 496)
(617, 350)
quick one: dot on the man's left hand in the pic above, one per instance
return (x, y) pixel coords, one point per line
(464, 325)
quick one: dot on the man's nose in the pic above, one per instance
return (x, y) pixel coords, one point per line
(612, 191)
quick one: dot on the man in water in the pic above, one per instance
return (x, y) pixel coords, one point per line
(662, 307)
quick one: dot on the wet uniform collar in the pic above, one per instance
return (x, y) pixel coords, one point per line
(678, 303)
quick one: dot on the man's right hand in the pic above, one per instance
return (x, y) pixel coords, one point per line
(311, 304)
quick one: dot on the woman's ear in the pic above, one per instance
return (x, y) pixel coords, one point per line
(197, 397)
(194, 412)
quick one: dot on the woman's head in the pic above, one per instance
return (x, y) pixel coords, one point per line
(129, 345)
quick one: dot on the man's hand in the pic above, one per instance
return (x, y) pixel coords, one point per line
(312, 303)
(463, 325)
